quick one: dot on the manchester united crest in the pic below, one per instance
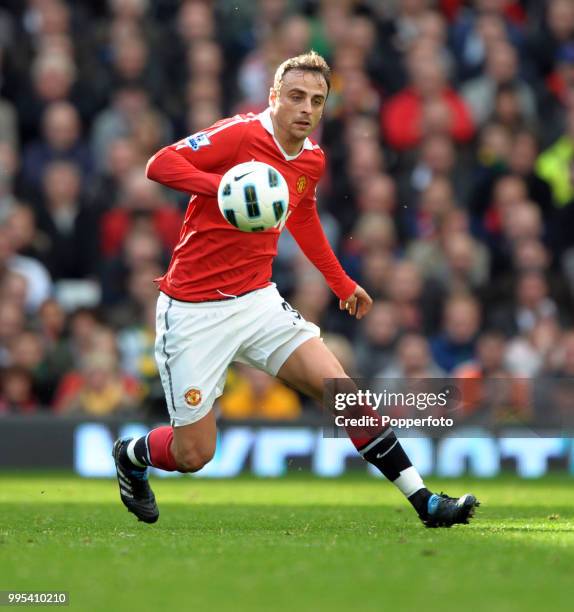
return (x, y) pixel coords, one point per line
(193, 397)
(301, 183)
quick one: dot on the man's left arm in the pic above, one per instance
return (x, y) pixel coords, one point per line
(305, 226)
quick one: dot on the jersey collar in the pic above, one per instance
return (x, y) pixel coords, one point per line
(265, 119)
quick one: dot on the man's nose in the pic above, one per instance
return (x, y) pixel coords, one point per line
(307, 108)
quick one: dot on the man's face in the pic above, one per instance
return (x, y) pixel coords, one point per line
(298, 106)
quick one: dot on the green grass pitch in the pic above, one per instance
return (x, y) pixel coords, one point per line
(295, 544)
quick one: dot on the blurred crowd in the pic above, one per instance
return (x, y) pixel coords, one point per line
(449, 193)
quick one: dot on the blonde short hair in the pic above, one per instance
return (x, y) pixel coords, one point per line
(311, 61)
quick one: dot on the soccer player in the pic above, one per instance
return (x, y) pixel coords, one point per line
(218, 305)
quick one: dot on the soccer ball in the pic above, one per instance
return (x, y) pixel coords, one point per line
(253, 196)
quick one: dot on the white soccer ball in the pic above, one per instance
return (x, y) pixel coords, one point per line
(253, 196)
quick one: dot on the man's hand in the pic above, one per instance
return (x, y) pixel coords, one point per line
(358, 303)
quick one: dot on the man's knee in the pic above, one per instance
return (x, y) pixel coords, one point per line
(335, 370)
(330, 372)
(192, 459)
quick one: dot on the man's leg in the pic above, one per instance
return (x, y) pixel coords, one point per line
(194, 345)
(306, 369)
(184, 449)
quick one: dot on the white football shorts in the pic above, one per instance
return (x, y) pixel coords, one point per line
(196, 342)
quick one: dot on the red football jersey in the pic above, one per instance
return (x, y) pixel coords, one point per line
(214, 260)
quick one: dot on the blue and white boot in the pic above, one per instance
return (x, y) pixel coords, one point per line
(445, 511)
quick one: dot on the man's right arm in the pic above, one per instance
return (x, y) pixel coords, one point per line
(195, 164)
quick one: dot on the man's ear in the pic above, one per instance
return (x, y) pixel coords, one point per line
(272, 96)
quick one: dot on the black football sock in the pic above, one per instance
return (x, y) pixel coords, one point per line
(387, 455)
(135, 455)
